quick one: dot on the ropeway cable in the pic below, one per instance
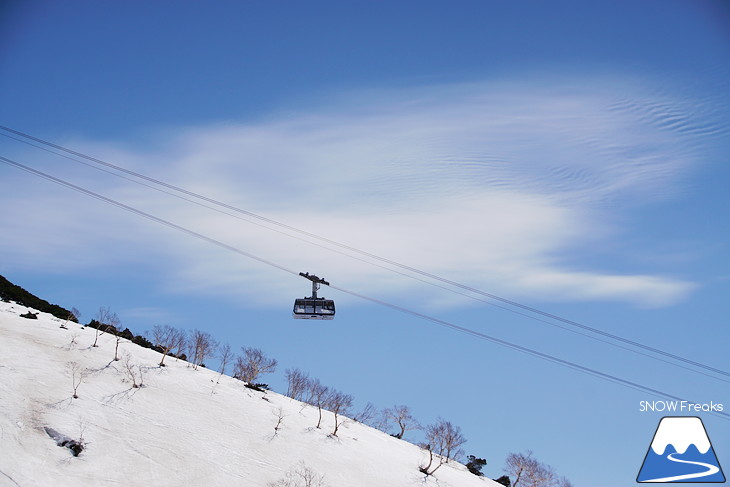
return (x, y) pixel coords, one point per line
(523, 349)
(461, 329)
(239, 217)
(143, 214)
(411, 269)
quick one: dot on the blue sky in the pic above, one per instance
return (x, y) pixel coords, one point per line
(570, 156)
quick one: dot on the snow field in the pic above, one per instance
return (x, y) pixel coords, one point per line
(180, 428)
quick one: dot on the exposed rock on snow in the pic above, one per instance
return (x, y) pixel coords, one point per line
(75, 446)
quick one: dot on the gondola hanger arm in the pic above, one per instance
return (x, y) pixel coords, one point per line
(314, 278)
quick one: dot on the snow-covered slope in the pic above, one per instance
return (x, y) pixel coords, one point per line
(181, 428)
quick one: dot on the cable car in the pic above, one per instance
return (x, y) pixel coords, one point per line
(314, 307)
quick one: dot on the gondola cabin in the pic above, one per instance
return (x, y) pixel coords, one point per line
(314, 307)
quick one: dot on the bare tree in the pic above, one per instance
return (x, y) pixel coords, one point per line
(517, 463)
(77, 376)
(239, 364)
(403, 418)
(74, 340)
(72, 315)
(166, 338)
(118, 337)
(529, 472)
(452, 441)
(300, 476)
(224, 355)
(105, 319)
(298, 384)
(202, 344)
(181, 345)
(340, 404)
(318, 396)
(367, 415)
(445, 440)
(253, 364)
(279, 413)
(134, 371)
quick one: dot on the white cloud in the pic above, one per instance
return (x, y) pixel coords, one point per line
(493, 185)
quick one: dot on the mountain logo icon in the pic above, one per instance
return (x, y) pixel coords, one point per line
(680, 452)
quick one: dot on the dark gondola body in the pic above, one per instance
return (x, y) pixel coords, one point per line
(314, 307)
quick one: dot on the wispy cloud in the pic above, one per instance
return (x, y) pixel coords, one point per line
(492, 184)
